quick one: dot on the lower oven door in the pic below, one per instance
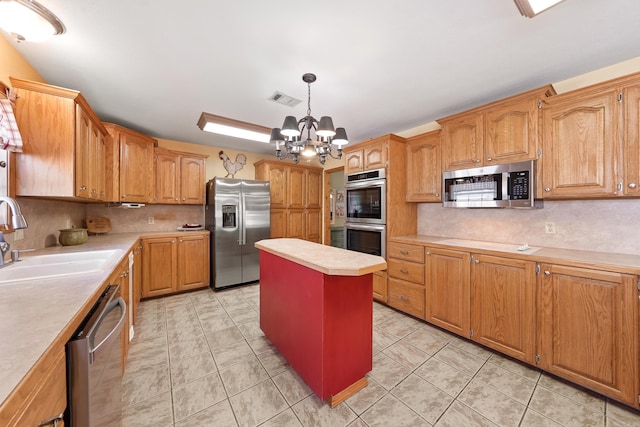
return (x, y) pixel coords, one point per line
(367, 238)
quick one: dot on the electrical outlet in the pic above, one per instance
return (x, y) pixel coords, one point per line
(18, 235)
(151, 220)
(550, 227)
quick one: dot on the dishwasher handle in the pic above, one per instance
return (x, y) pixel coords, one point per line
(114, 332)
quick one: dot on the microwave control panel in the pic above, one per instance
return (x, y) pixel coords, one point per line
(519, 185)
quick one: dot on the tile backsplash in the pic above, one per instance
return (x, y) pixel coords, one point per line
(46, 217)
(596, 225)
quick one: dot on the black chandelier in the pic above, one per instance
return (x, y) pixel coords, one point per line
(291, 134)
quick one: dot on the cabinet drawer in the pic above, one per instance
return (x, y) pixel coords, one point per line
(407, 252)
(406, 296)
(405, 270)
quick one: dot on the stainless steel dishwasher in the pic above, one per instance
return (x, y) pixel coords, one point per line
(94, 364)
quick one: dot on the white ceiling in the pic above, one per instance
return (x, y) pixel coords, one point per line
(382, 67)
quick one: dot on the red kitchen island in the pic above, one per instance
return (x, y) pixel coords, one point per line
(316, 304)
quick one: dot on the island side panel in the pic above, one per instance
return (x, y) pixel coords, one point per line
(291, 315)
(348, 331)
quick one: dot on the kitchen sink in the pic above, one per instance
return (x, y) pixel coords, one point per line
(56, 265)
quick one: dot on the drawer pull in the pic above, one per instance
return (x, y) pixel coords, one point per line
(404, 298)
(403, 271)
(404, 252)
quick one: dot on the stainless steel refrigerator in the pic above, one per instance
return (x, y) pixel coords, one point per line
(237, 214)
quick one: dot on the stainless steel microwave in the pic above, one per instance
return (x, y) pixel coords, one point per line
(511, 185)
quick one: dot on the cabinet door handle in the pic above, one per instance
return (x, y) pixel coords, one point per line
(477, 261)
(633, 185)
(477, 160)
(489, 159)
(547, 273)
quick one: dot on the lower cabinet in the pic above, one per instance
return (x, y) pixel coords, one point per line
(47, 396)
(447, 286)
(588, 329)
(503, 305)
(380, 286)
(405, 286)
(174, 263)
(582, 324)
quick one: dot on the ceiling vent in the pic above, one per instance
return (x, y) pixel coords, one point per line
(283, 99)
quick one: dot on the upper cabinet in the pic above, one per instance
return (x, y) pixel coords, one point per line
(501, 132)
(64, 143)
(590, 141)
(424, 168)
(366, 156)
(179, 177)
(130, 161)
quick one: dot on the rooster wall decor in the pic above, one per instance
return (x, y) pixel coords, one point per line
(232, 167)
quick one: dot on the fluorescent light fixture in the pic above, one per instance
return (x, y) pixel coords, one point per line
(231, 127)
(28, 20)
(531, 8)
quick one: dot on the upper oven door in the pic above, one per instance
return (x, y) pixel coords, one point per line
(366, 201)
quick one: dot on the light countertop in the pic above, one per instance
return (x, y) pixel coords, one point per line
(622, 263)
(325, 259)
(34, 313)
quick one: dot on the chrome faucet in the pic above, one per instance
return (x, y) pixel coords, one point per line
(17, 222)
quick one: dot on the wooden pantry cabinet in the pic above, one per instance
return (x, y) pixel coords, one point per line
(504, 131)
(129, 165)
(174, 263)
(424, 168)
(296, 199)
(179, 177)
(64, 144)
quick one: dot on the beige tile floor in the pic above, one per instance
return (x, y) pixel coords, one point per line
(200, 359)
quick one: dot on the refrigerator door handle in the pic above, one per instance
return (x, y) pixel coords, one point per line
(243, 219)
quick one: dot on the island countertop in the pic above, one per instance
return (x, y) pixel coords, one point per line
(325, 259)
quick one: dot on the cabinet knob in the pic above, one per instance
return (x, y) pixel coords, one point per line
(547, 273)
(83, 188)
(177, 199)
(547, 189)
(633, 185)
(489, 159)
(184, 198)
(54, 421)
(437, 195)
(477, 160)
(477, 261)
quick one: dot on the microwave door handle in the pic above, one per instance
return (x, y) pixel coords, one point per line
(112, 306)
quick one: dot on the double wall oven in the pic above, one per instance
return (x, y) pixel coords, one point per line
(366, 206)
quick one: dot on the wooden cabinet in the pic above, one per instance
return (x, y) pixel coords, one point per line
(503, 305)
(631, 141)
(296, 199)
(129, 165)
(175, 263)
(588, 323)
(137, 279)
(447, 289)
(579, 139)
(193, 262)
(159, 266)
(501, 132)
(179, 177)
(424, 168)
(405, 270)
(380, 286)
(46, 397)
(63, 144)
(366, 156)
